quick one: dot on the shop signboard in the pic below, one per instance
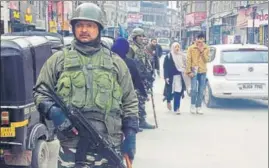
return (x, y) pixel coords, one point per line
(134, 18)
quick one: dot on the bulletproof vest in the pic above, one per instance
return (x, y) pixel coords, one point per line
(142, 60)
(90, 82)
(139, 53)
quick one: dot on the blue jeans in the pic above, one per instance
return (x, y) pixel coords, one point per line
(177, 99)
(197, 95)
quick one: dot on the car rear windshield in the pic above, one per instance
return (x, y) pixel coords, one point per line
(245, 56)
(163, 41)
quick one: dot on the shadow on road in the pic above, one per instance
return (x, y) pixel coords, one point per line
(241, 104)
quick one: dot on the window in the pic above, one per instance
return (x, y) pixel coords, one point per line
(245, 56)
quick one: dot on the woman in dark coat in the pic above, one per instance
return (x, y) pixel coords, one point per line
(174, 67)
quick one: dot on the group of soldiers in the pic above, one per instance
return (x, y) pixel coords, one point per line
(89, 77)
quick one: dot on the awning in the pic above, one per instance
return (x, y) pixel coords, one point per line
(220, 15)
(231, 14)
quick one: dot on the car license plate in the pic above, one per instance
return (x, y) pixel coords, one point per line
(251, 86)
(7, 132)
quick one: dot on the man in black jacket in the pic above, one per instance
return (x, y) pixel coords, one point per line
(153, 51)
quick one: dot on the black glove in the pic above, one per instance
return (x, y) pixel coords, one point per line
(129, 144)
(61, 122)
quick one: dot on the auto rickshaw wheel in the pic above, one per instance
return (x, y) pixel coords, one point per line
(40, 157)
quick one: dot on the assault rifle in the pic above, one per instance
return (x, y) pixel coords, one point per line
(85, 129)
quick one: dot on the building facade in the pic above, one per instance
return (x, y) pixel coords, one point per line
(20, 16)
(134, 17)
(116, 13)
(192, 15)
(172, 21)
(239, 22)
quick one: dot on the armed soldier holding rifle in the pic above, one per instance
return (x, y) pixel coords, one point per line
(96, 88)
(138, 53)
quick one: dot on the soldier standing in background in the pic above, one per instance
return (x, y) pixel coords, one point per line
(137, 52)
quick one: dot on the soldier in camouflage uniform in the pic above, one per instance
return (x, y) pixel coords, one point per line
(89, 77)
(138, 53)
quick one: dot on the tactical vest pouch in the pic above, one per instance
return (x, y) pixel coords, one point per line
(117, 96)
(103, 83)
(71, 62)
(78, 89)
(64, 86)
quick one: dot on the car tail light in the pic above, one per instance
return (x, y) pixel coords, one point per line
(219, 70)
(4, 118)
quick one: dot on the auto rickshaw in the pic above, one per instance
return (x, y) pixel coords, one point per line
(55, 39)
(24, 133)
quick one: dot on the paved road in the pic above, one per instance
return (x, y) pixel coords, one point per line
(234, 135)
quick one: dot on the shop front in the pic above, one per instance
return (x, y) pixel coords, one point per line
(21, 21)
(193, 22)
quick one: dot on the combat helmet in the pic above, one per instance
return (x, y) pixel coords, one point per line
(89, 12)
(137, 32)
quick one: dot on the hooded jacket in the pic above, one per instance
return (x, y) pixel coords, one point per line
(121, 47)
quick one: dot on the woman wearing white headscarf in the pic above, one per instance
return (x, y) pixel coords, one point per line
(174, 67)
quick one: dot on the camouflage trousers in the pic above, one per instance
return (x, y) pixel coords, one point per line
(141, 106)
(66, 159)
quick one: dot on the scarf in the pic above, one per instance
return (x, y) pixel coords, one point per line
(87, 48)
(178, 58)
(139, 45)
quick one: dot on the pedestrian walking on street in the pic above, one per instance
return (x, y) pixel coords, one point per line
(153, 52)
(90, 78)
(197, 58)
(138, 54)
(174, 68)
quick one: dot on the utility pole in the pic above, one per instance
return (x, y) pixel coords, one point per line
(116, 20)
(62, 18)
(45, 14)
(181, 21)
(247, 38)
(208, 15)
(6, 16)
(254, 10)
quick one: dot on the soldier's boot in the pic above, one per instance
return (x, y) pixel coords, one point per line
(145, 125)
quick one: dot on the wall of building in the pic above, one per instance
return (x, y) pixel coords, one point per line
(234, 18)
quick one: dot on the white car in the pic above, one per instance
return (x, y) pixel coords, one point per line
(165, 44)
(237, 71)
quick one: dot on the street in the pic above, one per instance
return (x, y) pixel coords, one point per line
(69, 48)
(234, 135)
